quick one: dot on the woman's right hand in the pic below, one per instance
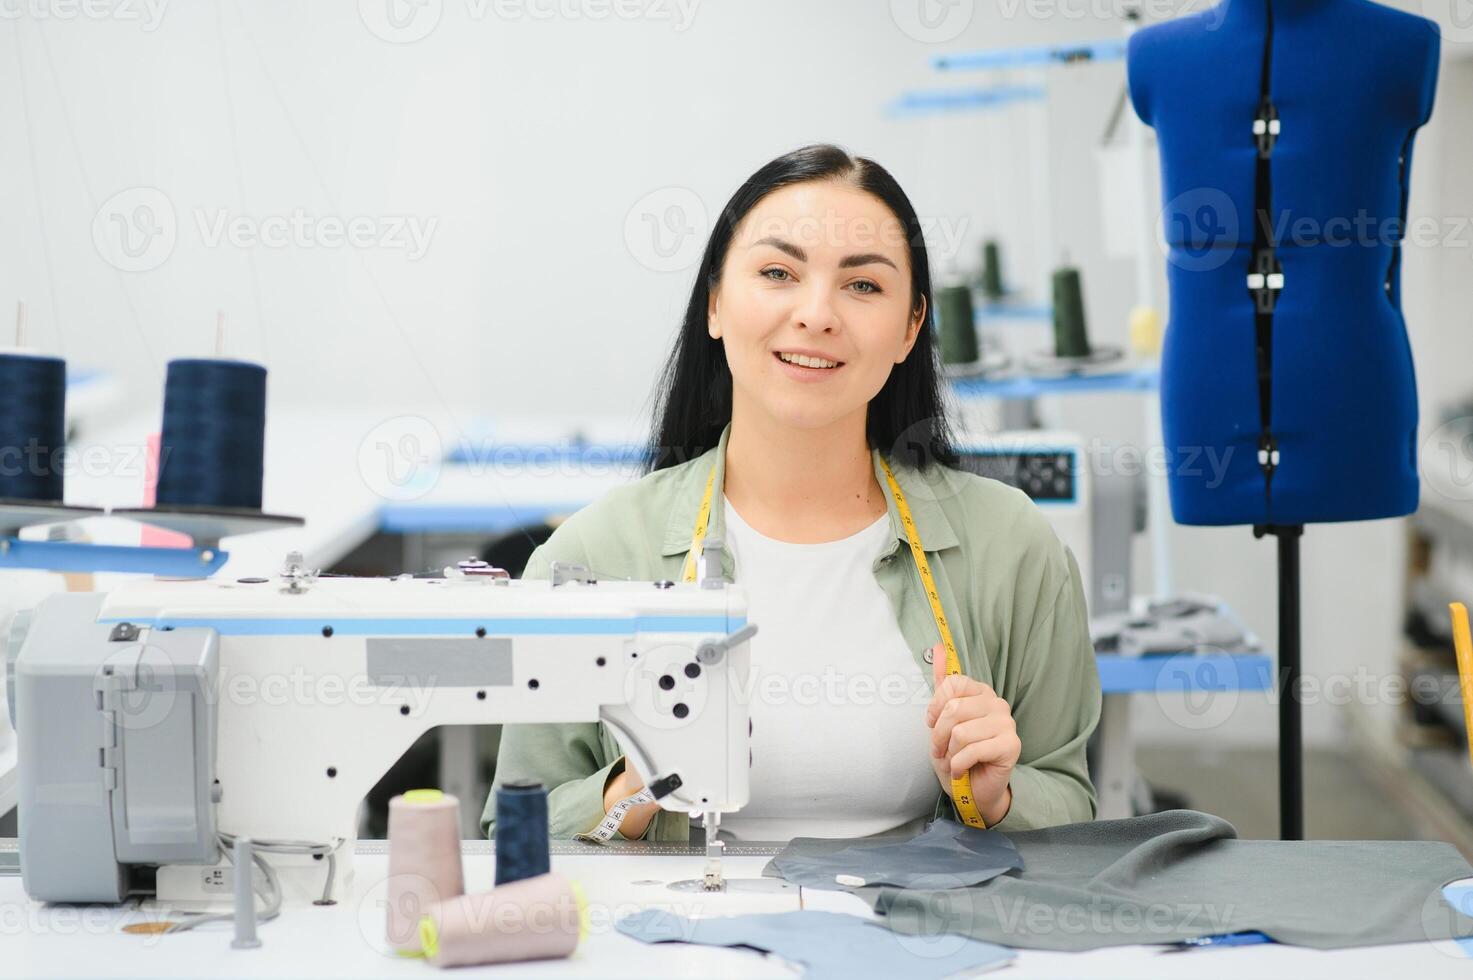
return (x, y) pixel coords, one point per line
(625, 784)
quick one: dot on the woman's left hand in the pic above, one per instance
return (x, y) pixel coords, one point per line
(972, 729)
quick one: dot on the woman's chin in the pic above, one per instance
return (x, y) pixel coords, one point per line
(809, 413)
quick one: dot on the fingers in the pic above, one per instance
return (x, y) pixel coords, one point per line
(1002, 750)
(962, 715)
(977, 730)
(950, 689)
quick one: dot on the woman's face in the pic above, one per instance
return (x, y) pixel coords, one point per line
(818, 270)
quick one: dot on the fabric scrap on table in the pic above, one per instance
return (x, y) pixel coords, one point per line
(1179, 875)
(828, 945)
(946, 855)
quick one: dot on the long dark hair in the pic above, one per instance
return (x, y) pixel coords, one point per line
(906, 420)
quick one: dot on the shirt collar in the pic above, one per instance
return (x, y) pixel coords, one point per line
(923, 491)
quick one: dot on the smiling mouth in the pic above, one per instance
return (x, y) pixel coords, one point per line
(804, 361)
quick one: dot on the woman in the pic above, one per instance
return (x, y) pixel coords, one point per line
(804, 380)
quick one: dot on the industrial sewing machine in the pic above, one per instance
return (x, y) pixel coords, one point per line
(159, 722)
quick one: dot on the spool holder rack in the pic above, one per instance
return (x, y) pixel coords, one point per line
(204, 557)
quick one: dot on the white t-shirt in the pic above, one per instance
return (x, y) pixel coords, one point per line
(840, 746)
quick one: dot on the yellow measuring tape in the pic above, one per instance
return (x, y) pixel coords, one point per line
(961, 786)
(1463, 648)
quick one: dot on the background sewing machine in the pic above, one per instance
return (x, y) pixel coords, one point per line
(158, 721)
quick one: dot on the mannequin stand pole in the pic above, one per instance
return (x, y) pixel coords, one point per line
(1291, 742)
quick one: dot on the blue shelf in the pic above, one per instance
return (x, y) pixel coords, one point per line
(1060, 55)
(995, 312)
(929, 102)
(1162, 673)
(1146, 378)
(417, 518)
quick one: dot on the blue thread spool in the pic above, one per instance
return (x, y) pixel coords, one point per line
(521, 831)
(212, 449)
(32, 427)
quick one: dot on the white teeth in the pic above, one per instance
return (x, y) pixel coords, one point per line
(804, 360)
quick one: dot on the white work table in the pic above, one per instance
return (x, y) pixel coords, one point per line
(347, 940)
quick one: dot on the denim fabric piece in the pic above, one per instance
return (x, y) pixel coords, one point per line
(828, 945)
(946, 855)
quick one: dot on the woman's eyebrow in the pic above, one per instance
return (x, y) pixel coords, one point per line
(847, 262)
(868, 258)
(783, 246)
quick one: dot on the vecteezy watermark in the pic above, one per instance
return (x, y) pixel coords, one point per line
(942, 234)
(932, 21)
(400, 21)
(666, 229)
(1196, 693)
(22, 918)
(146, 13)
(1447, 912)
(1454, 18)
(1198, 229)
(137, 229)
(390, 908)
(1446, 459)
(1200, 693)
(407, 21)
(144, 686)
(35, 460)
(832, 687)
(400, 459)
(298, 228)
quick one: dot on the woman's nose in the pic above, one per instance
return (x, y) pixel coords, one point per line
(817, 312)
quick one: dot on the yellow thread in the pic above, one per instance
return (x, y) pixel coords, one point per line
(429, 937)
(582, 900)
(418, 796)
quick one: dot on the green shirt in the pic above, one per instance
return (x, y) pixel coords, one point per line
(1010, 590)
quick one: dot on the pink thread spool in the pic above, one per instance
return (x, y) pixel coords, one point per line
(532, 919)
(424, 862)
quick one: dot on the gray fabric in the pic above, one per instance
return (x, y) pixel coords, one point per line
(1179, 875)
(948, 855)
(829, 945)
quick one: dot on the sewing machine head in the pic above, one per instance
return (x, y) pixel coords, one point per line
(156, 717)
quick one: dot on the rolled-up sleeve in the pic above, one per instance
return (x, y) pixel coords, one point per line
(1056, 708)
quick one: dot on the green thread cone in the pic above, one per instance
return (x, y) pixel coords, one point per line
(957, 323)
(1071, 338)
(992, 270)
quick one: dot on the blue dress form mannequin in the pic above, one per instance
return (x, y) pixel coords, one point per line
(1285, 131)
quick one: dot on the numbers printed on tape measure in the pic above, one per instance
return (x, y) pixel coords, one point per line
(609, 825)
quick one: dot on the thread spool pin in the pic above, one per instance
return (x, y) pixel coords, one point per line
(245, 896)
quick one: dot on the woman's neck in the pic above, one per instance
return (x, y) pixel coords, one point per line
(804, 486)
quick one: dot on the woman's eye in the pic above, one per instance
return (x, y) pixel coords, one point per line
(776, 274)
(869, 287)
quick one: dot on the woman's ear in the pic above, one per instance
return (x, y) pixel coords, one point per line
(913, 330)
(713, 326)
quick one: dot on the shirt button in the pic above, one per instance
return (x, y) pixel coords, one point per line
(928, 656)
